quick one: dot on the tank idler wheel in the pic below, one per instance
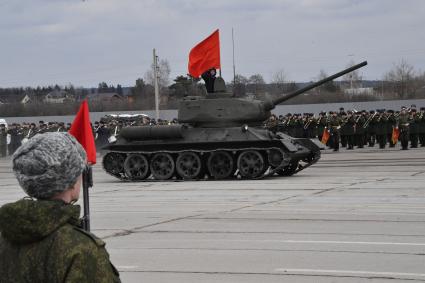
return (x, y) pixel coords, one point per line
(220, 165)
(251, 164)
(136, 167)
(113, 162)
(289, 170)
(188, 165)
(162, 166)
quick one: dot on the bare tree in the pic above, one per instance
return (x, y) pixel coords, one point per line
(240, 79)
(329, 86)
(257, 82)
(239, 85)
(401, 79)
(353, 78)
(163, 71)
(279, 79)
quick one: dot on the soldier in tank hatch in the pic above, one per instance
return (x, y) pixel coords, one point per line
(41, 237)
(209, 79)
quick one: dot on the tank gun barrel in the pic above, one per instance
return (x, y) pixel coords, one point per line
(316, 84)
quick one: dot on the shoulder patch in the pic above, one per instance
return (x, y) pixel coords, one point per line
(95, 239)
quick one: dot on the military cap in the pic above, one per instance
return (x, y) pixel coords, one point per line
(48, 164)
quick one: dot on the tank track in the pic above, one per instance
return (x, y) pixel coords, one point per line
(121, 166)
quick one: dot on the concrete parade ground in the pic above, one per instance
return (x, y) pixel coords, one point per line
(355, 216)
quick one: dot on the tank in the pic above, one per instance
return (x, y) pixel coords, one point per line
(218, 137)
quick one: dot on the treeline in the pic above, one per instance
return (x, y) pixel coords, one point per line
(401, 82)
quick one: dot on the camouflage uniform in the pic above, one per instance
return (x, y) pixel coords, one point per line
(41, 242)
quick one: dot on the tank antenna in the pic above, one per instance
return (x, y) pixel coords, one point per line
(234, 69)
(155, 77)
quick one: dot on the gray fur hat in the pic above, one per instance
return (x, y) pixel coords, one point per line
(48, 164)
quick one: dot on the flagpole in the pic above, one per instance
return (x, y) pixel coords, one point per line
(87, 183)
(234, 68)
(83, 133)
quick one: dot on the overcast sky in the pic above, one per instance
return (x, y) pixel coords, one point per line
(45, 42)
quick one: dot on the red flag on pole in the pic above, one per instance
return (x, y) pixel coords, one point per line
(205, 55)
(395, 135)
(82, 131)
(325, 137)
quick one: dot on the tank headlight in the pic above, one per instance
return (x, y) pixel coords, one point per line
(244, 128)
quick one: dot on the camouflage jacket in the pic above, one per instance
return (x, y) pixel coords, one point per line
(40, 242)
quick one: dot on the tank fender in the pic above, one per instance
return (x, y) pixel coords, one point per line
(152, 132)
(289, 145)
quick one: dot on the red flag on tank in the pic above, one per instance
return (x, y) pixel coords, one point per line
(205, 55)
(325, 136)
(81, 129)
(395, 135)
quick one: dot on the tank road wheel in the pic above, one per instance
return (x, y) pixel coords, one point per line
(113, 162)
(220, 165)
(289, 170)
(188, 165)
(251, 164)
(136, 167)
(162, 166)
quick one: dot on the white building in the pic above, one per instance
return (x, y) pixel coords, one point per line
(58, 96)
(359, 91)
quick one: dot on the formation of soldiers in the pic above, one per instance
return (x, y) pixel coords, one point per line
(353, 128)
(104, 131)
(347, 129)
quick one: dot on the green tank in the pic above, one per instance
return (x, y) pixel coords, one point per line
(219, 137)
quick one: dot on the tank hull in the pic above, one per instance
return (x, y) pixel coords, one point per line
(183, 152)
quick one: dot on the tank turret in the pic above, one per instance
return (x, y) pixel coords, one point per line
(221, 109)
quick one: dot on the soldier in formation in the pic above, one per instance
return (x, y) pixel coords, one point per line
(351, 129)
(105, 131)
(348, 129)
